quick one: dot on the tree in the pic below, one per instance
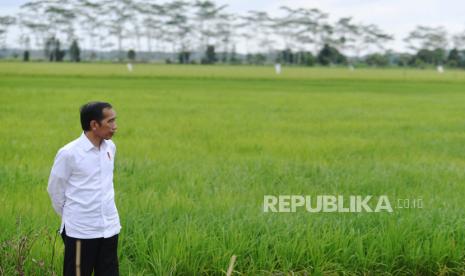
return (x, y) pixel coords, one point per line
(75, 52)
(305, 58)
(429, 38)
(435, 57)
(377, 60)
(184, 57)
(117, 16)
(52, 50)
(92, 24)
(32, 22)
(458, 40)
(286, 56)
(313, 28)
(60, 19)
(153, 16)
(373, 37)
(5, 23)
(257, 59)
(131, 55)
(179, 26)
(330, 55)
(48, 50)
(210, 55)
(26, 56)
(347, 34)
(206, 13)
(256, 27)
(225, 34)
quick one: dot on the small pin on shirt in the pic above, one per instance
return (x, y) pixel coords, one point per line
(108, 153)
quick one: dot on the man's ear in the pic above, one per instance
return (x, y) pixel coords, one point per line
(93, 124)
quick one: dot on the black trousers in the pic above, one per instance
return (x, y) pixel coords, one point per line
(84, 256)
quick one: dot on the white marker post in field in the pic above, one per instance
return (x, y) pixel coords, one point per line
(440, 69)
(277, 68)
(130, 68)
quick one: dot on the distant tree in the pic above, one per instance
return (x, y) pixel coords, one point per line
(313, 28)
(52, 50)
(60, 18)
(206, 12)
(330, 55)
(49, 49)
(210, 55)
(306, 58)
(91, 22)
(429, 38)
(225, 34)
(257, 59)
(59, 54)
(256, 29)
(26, 56)
(233, 59)
(244, 31)
(458, 40)
(153, 22)
(286, 56)
(5, 23)
(347, 35)
(434, 57)
(373, 38)
(184, 57)
(178, 26)
(454, 58)
(131, 55)
(377, 60)
(404, 60)
(33, 22)
(117, 14)
(75, 52)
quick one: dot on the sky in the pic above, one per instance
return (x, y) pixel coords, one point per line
(396, 17)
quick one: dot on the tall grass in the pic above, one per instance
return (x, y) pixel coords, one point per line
(199, 147)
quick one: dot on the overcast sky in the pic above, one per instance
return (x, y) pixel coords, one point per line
(396, 17)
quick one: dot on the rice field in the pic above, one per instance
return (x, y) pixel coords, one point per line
(200, 146)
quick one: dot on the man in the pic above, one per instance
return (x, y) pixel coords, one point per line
(81, 189)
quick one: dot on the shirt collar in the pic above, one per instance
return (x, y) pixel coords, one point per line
(87, 145)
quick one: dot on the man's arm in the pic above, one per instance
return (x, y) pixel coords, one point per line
(59, 176)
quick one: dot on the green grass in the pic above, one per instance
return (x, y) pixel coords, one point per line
(199, 147)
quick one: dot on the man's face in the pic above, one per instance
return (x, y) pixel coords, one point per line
(107, 126)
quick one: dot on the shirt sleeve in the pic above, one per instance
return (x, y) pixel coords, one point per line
(59, 176)
(113, 147)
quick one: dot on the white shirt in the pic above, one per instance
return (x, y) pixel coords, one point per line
(81, 189)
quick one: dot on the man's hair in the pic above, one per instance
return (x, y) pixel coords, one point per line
(92, 111)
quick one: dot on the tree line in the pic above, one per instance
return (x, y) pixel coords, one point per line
(303, 36)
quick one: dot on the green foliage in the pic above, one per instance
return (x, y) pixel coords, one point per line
(52, 50)
(75, 52)
(435, 57)
(26, 56)
(255, 59)
(456, 58)
(210, 55)
(184, 57)
(329, 55)
(377, 60)
(131, 55)
(299, 58)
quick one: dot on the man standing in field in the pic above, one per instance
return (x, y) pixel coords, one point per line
(81, 189)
